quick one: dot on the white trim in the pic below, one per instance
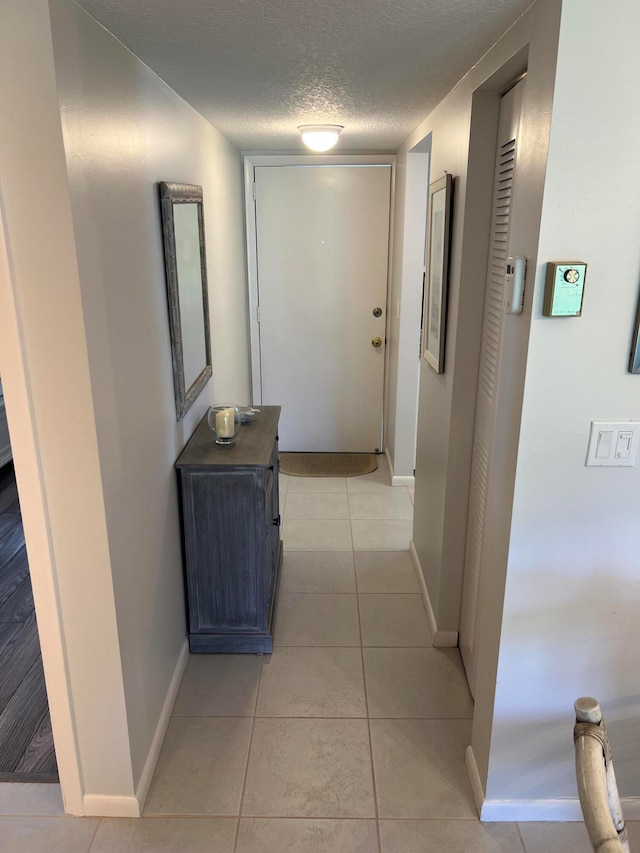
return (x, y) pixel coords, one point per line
(440, 639)
(103, 805)
(531, 810)
(252, 281)
(146, 776)
(492, 811)
(474, 779)
(35, 512)
(547, 810)
(397, 479)
(249, 163)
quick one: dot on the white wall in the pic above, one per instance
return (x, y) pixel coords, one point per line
(124, 131)
(88, 372)
(560, 600)
(46, 381)
(572, 599)
(463, 130)
(405, 298)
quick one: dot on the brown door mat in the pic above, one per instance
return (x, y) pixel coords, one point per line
(327, 464)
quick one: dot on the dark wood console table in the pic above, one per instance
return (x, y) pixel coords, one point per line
(231, 531)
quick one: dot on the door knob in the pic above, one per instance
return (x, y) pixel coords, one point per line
(376, 342)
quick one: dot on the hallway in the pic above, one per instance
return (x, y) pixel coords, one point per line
(350, 738)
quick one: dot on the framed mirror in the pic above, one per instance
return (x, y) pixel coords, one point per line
(187, 295)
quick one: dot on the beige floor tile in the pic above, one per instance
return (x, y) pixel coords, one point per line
(318, 571)
(309, 768)
(361, 486)
(381, 535)
(312, 682)
(269, 835)
(219, 686)
(393, 620)
(554, 837)
(30, 798)
(317, 485)
(50, 834)
(166, 835)
(312, 535)
(283, 484)
(446, 836)
(416, 683)
(375, 506)
(305, 507)
(420, 770)
(377, 481)
(412, 493)
(316, 620)
(201, 767)
(385, 571)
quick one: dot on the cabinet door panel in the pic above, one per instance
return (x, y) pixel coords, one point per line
(225, 550)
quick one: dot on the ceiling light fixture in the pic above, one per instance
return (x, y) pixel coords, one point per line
(320, 137)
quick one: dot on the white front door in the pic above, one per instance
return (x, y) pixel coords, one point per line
(322, 254)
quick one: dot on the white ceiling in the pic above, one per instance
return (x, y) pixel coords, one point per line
(258, 68)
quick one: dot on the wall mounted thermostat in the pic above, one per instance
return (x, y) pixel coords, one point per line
(515, 274)
(564, 289)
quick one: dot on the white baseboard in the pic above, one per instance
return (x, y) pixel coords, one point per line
(156, 744)
(397, 479)
(531, 810)
(102, 805)
(440, 639)
(98, 805)
(547, 810)
(492, 811)
(474, 778)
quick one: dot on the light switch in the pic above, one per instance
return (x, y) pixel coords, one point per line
(603, 447)
(623, 445)
(613, 444)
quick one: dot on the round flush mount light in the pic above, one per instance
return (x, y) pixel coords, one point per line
(320, 137)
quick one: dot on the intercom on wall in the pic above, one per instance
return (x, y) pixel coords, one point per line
(564, 289)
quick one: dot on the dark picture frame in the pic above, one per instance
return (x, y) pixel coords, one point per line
(187, 291)
(437, 271)
(634, 358)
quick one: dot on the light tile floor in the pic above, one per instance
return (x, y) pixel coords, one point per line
(349, 738)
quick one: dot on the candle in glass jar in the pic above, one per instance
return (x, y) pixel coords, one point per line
(224, 423)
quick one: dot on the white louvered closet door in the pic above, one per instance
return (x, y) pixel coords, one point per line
(491, 356)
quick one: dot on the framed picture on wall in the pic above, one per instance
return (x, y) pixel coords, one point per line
(634, 359)
(437, 266)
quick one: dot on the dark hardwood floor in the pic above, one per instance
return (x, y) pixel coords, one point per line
(26, 742)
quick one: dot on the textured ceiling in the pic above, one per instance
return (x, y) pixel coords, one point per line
(258, 68)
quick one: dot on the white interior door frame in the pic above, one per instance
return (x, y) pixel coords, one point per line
(250, 162)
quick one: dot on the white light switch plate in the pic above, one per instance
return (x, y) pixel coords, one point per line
(613, 444)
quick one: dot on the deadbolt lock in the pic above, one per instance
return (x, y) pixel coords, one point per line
(376, 342)
(377, 312)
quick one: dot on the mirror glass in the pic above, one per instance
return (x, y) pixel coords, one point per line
(185, 223)
(187, 294)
